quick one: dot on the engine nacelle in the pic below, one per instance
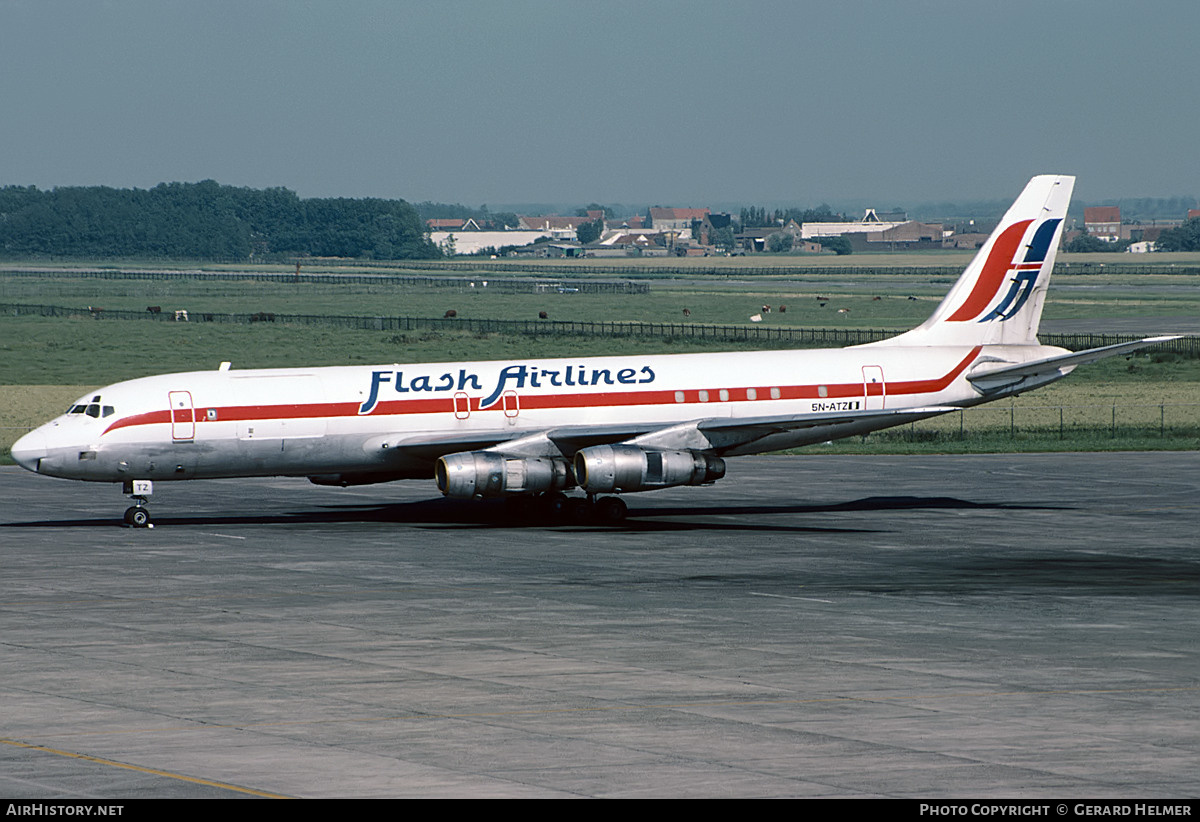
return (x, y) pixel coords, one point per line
(604, 468)
(488, 474)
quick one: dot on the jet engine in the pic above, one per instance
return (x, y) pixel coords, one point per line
(488, 474)
(629, 468)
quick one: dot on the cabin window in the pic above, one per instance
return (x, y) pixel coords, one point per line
(679, 396)
(724, 395)
(822, 391)
(703, 395)
(776, 393)
(751, 393)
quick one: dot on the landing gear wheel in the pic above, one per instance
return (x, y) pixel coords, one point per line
(578, 511)
(610, 510)
(137, 517)
(556, 505)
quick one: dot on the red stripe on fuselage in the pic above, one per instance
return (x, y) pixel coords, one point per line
(604, 399)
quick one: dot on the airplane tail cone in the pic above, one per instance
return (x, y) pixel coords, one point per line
(998, 299)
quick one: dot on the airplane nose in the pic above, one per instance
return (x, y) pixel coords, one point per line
(29, 449)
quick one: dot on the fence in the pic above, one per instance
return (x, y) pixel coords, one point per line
(1059, 422)
(512, 285)
(524, 271)
(658, 270)
(1188, 346)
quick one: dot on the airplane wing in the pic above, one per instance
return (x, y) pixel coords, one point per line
(989, 378)
(717, 435)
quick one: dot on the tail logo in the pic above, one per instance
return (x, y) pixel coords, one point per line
(999, 263)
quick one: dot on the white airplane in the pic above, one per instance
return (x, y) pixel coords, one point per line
(536, 428)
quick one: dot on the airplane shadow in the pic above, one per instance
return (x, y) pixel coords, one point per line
(495, 514)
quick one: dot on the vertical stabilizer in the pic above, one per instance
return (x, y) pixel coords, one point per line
(998, 299)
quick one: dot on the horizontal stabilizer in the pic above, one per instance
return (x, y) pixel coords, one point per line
(990, 378)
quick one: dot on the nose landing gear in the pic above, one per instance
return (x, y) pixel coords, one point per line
(138, 516)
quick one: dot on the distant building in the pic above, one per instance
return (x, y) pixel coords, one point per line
(759, 239)
(552, 224)
(1103, 222)
(876, 216)
(871, 221)
(713, 223)
(623, 238)
(472, 242)
(971, 240)
(907, 236)
(457, 224)
(676, 219)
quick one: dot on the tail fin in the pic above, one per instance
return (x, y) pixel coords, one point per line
(998, 299)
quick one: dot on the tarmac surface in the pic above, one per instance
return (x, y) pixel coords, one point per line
(1020, 626)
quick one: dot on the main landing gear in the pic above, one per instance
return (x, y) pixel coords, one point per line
(138, 516)
(558, 507)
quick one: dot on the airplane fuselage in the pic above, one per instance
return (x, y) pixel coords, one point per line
(357, 421)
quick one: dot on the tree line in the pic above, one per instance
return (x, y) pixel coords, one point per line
(1183, 238)
(759, 217)
(205, 220)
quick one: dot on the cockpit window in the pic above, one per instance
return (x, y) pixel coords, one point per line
(93, 409)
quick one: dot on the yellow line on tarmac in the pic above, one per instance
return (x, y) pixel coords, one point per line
(156, 772)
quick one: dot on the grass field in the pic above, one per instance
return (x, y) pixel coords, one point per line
(83, 354)
(45, 363)
(896, 302)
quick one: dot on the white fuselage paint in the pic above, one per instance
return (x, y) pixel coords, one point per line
(358, 419)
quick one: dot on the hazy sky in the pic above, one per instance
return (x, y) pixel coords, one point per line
(671, 103)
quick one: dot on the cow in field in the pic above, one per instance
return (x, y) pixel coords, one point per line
(449, 315)
(154, 309)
